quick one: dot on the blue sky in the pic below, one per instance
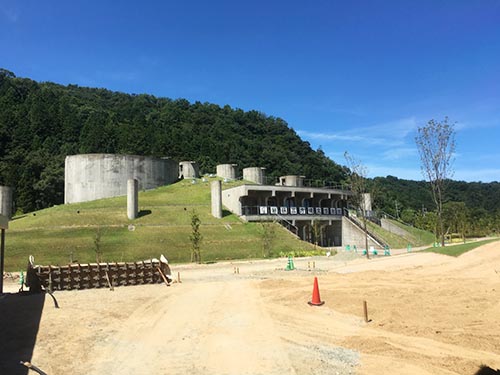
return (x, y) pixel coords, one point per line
(356, 76)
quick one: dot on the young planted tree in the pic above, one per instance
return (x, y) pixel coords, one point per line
(436, 146)
(98, 245)
(195, 238)
(316, 232)
(455, 218)
(268, 237)
(358, 181)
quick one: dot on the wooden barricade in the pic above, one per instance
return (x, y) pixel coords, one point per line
(101, 275)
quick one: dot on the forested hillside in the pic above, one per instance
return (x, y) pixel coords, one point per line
(41, 123)
(473, 205)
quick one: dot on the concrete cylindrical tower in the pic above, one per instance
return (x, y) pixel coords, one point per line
(132, 198)
(366, 203)
(94, 176)
(188, 169)
(216, 189)
(254, 174)
(6, 201)
(292, 180)
(227, 171)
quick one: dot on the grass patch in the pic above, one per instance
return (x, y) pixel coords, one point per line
(63, 233)
(415, 236)
(412, 236)
(456, 250)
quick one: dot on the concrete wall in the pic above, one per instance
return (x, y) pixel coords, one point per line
(188, 169)
(254, 174)
(227, 171)
(231, 198)
(95, 176)
(6, 201)
(353, 235)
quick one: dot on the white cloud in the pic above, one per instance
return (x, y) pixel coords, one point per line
(389, 134)
(330, 136)
(399, 153)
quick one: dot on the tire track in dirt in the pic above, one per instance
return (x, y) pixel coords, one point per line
(207, 328)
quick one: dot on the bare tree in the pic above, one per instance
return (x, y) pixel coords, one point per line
(436, 146)
(357, 178)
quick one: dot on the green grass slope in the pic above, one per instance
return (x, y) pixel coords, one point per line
(60, 234)
(457, 250)
(414, 237)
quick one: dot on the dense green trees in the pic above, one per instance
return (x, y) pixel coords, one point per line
(41, 123)
(479, 201)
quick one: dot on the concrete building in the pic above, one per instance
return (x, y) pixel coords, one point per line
(94, 176)
(227, 171)
(188, 169)
(313, 214)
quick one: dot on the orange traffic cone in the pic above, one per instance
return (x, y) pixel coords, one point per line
(316, 300)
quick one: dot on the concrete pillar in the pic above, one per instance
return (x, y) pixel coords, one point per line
(6, 201)
(132, 198)
(216, 188)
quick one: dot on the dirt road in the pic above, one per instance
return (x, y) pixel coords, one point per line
(207, 328)
(430, 314)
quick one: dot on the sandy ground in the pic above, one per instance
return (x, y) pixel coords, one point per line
(430, 314)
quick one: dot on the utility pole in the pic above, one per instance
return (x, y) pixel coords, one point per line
(2, 255)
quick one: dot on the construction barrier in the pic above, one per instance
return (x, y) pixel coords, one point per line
(98, 275)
